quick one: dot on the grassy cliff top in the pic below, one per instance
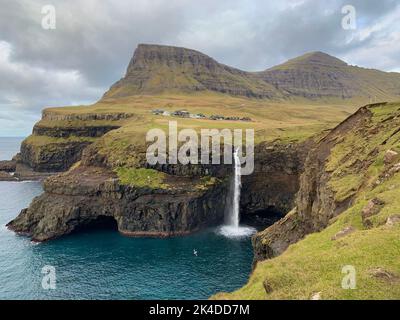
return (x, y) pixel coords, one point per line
(270, 120)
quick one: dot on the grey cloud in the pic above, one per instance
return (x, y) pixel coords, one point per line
(283, 33)
(93, 39)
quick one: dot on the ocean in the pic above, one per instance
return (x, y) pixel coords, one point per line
(102, 264)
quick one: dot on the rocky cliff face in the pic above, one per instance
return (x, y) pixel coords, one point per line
(276, 178)
(90, 131)
(330, 184)
(85, 194)
(191, 201)
(57, 141)
(53, 157)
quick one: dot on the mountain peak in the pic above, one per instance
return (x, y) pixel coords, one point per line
(312, 58)
(322, 58)
(146, 49)
(143, 47)
(154, 55)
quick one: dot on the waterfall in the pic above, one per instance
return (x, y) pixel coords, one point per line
(232, 228)
(235, 212)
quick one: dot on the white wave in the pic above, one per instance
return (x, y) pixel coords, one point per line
(236, 232)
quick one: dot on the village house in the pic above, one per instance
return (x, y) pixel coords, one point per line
(197, 116)
(217, 117)
(157, 111)
(245, 119)
(181, 113)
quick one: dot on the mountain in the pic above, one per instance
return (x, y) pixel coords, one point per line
(156, 69)
(317, 75)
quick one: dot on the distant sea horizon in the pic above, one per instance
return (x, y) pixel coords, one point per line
(9, 147)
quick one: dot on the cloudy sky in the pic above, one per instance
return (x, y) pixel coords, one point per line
(95, 39)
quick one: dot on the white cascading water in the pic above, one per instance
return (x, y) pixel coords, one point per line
(235, 217)
(233, 228)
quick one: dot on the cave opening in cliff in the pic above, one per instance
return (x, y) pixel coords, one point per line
(101, 223)
(262, 218)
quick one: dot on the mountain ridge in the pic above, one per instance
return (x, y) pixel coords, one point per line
(156, 69)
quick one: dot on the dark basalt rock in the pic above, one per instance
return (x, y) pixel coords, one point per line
(83, 195)
(276, 177)
(8, 166)
(5, 176)
(56, 157)
(93, 131)
(91, 190)
(51, 116)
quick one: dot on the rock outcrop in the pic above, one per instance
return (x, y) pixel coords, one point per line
(333, 176)
(393, 220)
(89, 130)
(85, 194)
(57, 156)
(315, 202)
(8, 165)
(57, 141)
(372, 208)
(5, 176)
(276, 178)
(342, 233)
(390, 157)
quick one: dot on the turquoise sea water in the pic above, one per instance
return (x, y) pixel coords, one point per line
(101, 264)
